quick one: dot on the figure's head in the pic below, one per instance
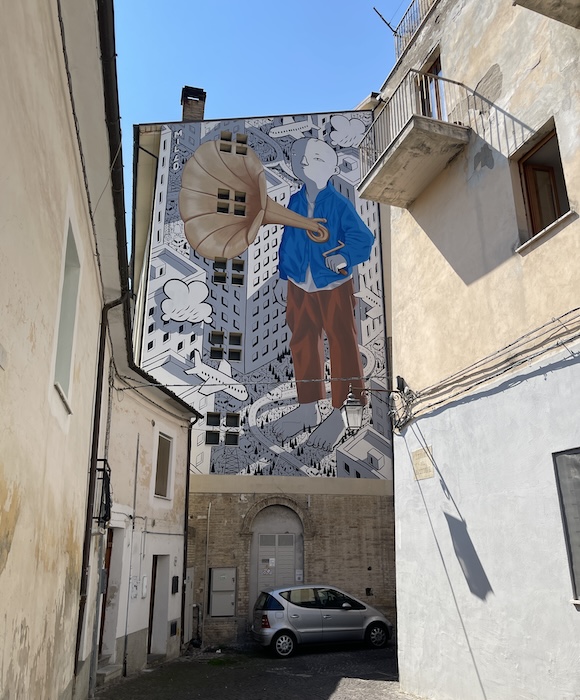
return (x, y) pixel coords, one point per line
(314, 161)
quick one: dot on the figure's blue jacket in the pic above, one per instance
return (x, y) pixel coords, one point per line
(297, 251)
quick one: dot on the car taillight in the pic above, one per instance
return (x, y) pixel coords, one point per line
(265, 622)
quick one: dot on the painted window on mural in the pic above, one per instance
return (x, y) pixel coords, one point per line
(271, 279)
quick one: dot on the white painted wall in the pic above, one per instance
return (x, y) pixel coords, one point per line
(515, 633)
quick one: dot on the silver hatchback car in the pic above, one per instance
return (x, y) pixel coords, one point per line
(286, 617)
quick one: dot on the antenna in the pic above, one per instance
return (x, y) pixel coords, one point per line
(385, 21)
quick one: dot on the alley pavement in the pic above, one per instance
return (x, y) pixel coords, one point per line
(346, 672)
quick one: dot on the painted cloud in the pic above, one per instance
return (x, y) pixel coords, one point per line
(347, 132)
(185, 302)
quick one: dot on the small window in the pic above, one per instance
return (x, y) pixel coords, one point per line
(216, 337)
(212, 437)
(543, 183)
(67, 317)
(220, 278)
(212, 419)
(567, 467)
(238, 280)
(232, 420)
(232, 439)
(238, 265)
(235, 338)
(220, 264)
(163, 466)
(216, 354)
(234, 355)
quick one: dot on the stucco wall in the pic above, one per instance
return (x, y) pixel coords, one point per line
(44, 449)
(484, 589)
(461, 291)
(145, 525)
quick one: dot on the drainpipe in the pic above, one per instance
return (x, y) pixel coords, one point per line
(133, 518)
(192, 422)
(93, 472)
(206, 574)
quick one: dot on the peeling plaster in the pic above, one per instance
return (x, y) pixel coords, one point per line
(10, 500)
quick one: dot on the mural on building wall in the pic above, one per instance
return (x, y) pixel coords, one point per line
(264, 301)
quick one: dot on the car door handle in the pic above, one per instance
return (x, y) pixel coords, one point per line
(294, 616)
(327, 617)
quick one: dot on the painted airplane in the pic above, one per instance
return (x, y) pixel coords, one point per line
(293, 128)
(215, 380)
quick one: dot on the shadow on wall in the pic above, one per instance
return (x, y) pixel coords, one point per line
(463, 546)
(469, 211)
(470, 563)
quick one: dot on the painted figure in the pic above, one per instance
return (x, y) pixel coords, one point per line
(320, 293)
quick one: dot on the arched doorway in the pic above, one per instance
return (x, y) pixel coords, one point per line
(276, 551)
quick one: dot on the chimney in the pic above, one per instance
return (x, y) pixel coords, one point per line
(193, 103)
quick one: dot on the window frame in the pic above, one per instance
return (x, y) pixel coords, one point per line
(168, 476)
(66, 324)
(531, 195)
(571, 546)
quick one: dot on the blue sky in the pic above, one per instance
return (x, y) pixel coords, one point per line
(252, 58)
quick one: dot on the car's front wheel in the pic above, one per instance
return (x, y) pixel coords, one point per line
(284, 644)
(377, 635)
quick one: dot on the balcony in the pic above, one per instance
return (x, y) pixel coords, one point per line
(408, 26)
(423, 125)
(566, 11)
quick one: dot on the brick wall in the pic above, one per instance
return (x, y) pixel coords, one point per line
(348, 542)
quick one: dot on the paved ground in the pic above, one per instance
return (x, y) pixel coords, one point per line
(316, 673)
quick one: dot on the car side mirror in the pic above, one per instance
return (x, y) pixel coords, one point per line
(346, 606)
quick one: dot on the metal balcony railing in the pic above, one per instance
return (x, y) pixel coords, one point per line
(443, 100)
(410, 23)
(419, 94)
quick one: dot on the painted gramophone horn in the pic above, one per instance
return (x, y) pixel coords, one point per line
(223, 201)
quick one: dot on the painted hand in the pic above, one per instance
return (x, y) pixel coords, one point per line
(318, 233)
(281, 291)
(336, 263)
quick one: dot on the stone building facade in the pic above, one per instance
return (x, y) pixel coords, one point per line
(476, 151)
(345, 538)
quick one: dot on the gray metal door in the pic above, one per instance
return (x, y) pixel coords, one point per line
(276, 561)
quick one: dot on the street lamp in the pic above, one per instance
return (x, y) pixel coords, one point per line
(351, 412)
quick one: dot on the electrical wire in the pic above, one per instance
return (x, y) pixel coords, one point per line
(551, 336)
